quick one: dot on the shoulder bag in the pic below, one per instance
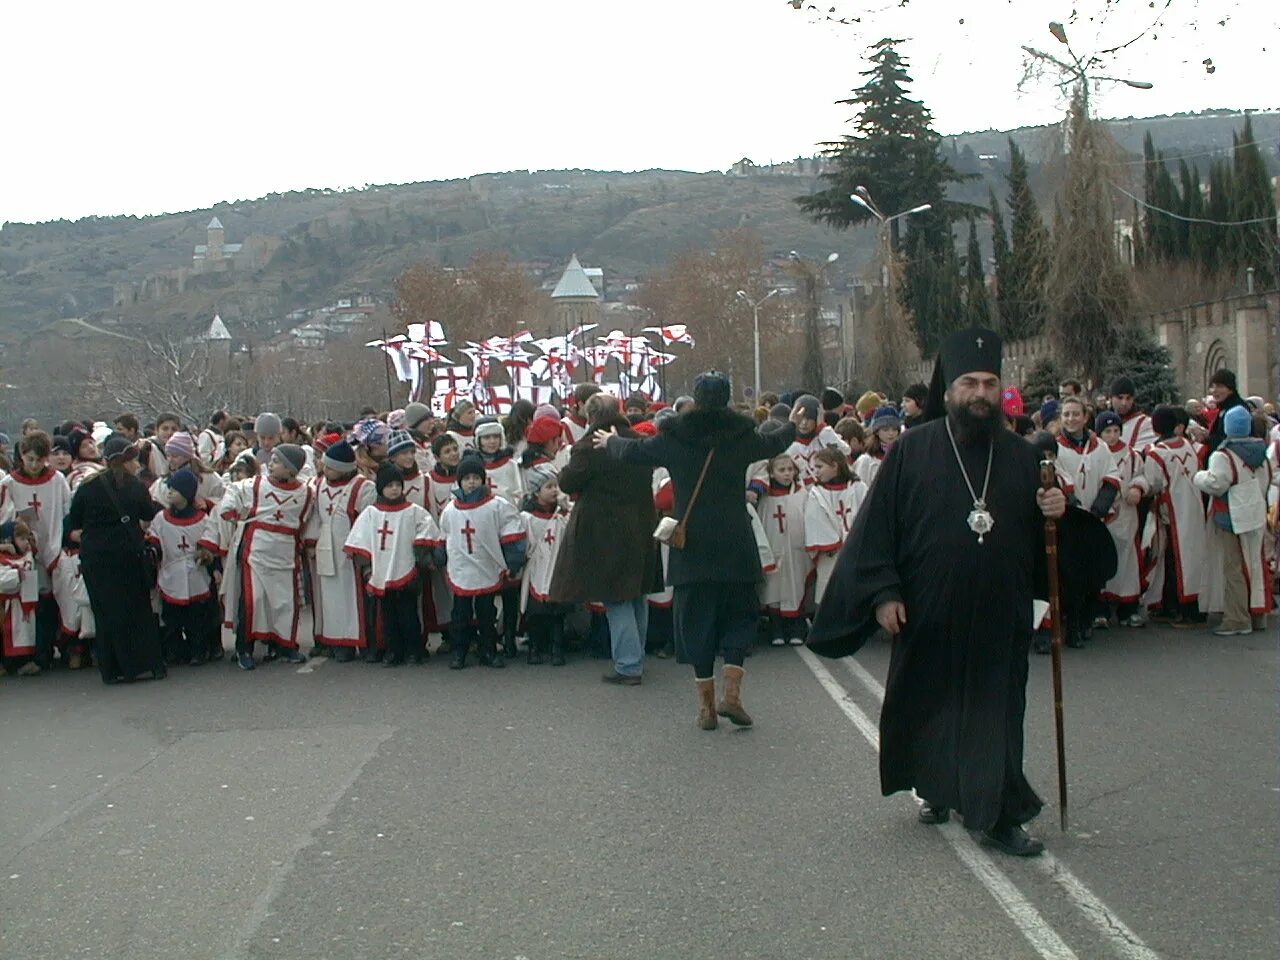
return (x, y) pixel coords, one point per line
(669, 531)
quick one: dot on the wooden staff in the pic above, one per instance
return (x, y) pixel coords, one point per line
(1048, 481)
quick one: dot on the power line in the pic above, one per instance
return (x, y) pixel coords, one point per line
(1178, 216)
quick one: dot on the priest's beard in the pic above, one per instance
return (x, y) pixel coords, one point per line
(974, 422)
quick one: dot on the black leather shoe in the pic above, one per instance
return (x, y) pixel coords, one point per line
(1014, 841)
(621, 679)
(932, 815)
(292, 655)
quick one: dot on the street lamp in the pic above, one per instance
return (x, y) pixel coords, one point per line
(755, 328)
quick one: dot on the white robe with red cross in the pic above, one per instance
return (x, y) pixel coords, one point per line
(1128, 583)
(264, 556)
(209, 491)
(338, 588)
(42, 502)
(75, 615)
(181, 580)
(1169, 468)
(546, 532)
(440, 487)
(1082, 473)
(416, 489)
(828, 518)
(804, 449)
(505, 479)
(781, 510)
(474, 534)
(386, 535)
(19, 596)
(1136, 431)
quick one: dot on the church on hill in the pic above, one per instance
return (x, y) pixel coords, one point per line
(577, 297)
(215, 253)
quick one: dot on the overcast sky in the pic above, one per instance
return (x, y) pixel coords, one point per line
(148, 106)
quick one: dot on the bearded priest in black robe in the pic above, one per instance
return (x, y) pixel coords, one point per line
(946, 555)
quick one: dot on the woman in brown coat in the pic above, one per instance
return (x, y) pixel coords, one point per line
(608, 555)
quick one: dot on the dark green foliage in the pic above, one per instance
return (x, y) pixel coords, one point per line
(1022, 298)
(1140, 356)
(977, 307)
(1042, 380)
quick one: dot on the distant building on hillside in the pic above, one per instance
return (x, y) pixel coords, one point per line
(210, 254)
(576, 299)
(799, 167)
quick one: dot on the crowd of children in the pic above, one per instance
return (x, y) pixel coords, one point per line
(399, 528)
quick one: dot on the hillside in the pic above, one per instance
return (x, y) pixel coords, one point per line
(315, 245)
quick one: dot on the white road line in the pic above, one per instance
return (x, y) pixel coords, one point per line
(1119, 937)
(1042, 937)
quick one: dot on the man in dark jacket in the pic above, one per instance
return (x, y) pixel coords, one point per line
(1222, 387)
(716, 572)
(608, 554)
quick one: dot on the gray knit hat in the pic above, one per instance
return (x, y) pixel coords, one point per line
(290, 454)
(415, 413)
(809, 404)
(398, 440)
(536, 478)
(267, 424)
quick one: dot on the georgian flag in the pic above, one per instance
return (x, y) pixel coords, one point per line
(674, 333)
(430, 333)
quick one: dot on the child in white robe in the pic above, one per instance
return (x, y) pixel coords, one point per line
(338, 595)
(885, 426)
(1178, 546)
(812, 435)
(545, 523)
(441, 483)
(393, 538)
(781, 507)
(186, 541)
(502, 474)
(485, 542)
(19, 595)
(262, 577)
(1124, 590)
(833, 501)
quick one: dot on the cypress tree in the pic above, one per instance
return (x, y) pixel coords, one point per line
(1000, 250)
(976, 307)
(1022, 299)
(1252, 199)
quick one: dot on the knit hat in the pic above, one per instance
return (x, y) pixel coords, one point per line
(395, 420)
(780, 411)
(1224, 378)
(119, 450)
(646, 428)
(459, 408)
(4, 440)
(63, 444)
(185, 482)
(886, 416)
(291, 455)
(74, 439)
(867, 403)
(808, 403)
(536, 478)
(339, 457)
(181, 444)
(543, 430)
(546, 410)
(1048, 412)
(832, 399)
(1238, 422)
(712, 390)
(398, 440)
(387, 473)
(1107, 418)
(470, 464)
(324, 442)
(1123, 385)
(488, 427)
(267, 424)
(1011, 402)
(370, 433)
(415, 413)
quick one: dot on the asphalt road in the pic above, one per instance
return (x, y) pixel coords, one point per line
(349, 811)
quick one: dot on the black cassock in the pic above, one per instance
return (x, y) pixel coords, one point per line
(951, 726)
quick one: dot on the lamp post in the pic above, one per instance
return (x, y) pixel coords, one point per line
(810, 273)
(755, 330)
(862, 197)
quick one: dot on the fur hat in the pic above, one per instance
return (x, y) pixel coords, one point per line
(489, 427)
(291, 455)
(267, 424)
(415, 413)
(339, 457)
(181, 444)
(185, 482)
(809, 404)
(398, 440)
(712, 390)
(469, 465)
(1238, 422)
(543, 430)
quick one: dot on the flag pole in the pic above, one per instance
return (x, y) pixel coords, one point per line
(1048, 481)
(387, 356)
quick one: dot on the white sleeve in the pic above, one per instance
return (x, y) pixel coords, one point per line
(1217, 479)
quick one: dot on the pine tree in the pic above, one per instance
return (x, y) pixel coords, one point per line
(976, 306)
(1220, 248)
(1022, 298)
(1138, 355)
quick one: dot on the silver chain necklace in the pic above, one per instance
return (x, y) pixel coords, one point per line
(980, 520)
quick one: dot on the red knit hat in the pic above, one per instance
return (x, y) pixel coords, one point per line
(1011, 402)
(543, 430)
(646, 428)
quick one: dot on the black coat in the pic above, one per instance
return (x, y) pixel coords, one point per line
(719, 544)
(608, 554)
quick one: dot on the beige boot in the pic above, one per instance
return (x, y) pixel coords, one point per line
(707, 704)
(731, 706)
